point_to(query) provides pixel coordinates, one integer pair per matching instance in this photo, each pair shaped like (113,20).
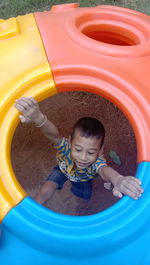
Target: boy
(79,158)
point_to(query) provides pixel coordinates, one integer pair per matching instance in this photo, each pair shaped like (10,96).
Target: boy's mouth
(81,164)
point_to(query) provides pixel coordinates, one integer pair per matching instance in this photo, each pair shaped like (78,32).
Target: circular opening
(110,35)
(33,155)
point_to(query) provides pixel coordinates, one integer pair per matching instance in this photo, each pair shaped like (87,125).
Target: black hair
(89,127)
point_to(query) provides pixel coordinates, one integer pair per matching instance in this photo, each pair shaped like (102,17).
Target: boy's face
(84,151)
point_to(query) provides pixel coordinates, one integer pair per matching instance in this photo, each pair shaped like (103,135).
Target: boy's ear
(101,151)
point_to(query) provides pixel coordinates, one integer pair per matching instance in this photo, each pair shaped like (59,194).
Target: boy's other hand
(130,186)
(29,108)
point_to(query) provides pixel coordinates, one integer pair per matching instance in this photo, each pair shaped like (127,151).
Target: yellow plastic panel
(24,72)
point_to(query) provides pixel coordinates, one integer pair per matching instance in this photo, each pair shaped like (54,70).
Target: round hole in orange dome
(111,35)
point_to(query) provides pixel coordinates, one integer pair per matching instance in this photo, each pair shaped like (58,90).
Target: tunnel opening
(33,156)
(111,35)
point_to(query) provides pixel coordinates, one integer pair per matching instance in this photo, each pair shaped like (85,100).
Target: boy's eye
(91,153)
(78,150)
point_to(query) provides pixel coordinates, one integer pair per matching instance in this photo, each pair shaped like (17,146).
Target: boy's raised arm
(30,112)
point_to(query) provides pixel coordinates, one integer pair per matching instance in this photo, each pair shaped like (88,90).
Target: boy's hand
(129,186)
(29,108)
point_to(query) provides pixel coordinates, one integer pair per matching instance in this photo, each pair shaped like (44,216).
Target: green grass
(12,8)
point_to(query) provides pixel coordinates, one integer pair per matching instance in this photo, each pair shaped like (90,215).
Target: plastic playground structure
(103,50)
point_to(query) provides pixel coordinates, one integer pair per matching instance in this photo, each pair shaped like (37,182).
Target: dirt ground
(33,155)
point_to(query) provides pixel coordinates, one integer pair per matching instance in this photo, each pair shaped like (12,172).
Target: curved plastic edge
(111,229)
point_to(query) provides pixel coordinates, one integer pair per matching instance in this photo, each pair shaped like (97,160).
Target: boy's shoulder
(100,158)
(62,142)
(100,162)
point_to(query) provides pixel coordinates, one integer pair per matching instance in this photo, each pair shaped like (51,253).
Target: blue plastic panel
(119,235)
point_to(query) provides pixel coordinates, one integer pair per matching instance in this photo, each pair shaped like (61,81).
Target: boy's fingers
(138,181)
(134,187)
(25,102)
(117,193)
(132,194)
(30,101)
(24,119)
(33,101)
(130,191)
(20,108)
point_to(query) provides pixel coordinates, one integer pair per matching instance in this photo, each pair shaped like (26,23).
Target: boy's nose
(83,156)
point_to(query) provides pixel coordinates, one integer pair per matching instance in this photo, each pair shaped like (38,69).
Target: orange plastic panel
(104,50)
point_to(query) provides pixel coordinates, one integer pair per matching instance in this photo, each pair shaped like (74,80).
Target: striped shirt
(66,163)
